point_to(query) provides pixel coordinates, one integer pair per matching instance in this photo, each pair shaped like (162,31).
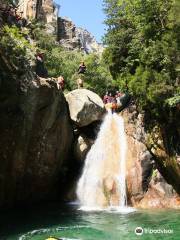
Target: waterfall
(103,180)
(123,149)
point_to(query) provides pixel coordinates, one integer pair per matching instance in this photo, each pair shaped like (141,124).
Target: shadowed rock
(36,138)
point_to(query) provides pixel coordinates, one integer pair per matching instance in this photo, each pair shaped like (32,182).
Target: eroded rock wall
(36,138)
(72,37)
(46,11)
(148,184)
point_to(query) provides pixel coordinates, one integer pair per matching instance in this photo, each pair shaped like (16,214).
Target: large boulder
(36,139)
(85,107)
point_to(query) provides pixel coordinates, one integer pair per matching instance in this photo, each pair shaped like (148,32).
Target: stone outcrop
(85,107)
(163,142)
(36,138)
(145,190)
(46,11)
(72,37)
(160,194)
(139,160)
(68,35)
(88,41)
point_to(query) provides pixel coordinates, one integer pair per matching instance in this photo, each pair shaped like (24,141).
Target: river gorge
(72,165)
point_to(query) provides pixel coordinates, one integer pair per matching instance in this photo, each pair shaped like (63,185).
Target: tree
(142,52)
(97,77)
(60,61)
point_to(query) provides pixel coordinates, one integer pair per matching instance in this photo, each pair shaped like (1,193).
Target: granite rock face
(146,186)
(160,194)
(36,139)
(139,160)
(46,11)
(72,37)
(85,107)
(68,34)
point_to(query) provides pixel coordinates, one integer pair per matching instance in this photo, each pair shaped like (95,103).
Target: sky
(87,14)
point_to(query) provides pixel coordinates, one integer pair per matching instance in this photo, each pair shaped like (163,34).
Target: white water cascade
(103,181)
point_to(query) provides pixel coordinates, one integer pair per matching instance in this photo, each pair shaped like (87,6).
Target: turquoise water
(68,222)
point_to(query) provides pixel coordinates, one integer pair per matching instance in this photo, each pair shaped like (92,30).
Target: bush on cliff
(15,49)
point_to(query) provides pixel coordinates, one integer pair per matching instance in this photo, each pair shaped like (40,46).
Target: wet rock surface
(145,190)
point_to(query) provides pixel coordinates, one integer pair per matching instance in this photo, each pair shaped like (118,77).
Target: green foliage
(44,40)
(12,2)
(173,101)
(154,173)
(97,77)
(16,48)
(20,51)
(142,52)
(60,61)
(65,63)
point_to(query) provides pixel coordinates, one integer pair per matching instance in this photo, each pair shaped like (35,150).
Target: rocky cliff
(46,11)
(148,184)
(36,136)
(72,37)
(69,36)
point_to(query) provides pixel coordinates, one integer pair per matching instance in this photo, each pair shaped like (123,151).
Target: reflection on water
(70,223)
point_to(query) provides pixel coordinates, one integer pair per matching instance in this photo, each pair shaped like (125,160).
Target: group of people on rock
(41,71)
(113,101)
(11,16)
(109,98)
(80,82)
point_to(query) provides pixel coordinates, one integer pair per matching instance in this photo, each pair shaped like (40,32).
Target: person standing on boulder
(40,69)
(81,70)
(80,83)
(60,83)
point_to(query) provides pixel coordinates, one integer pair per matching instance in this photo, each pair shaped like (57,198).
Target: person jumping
(82,68)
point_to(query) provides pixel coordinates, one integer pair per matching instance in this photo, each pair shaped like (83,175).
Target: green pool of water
(68,222)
